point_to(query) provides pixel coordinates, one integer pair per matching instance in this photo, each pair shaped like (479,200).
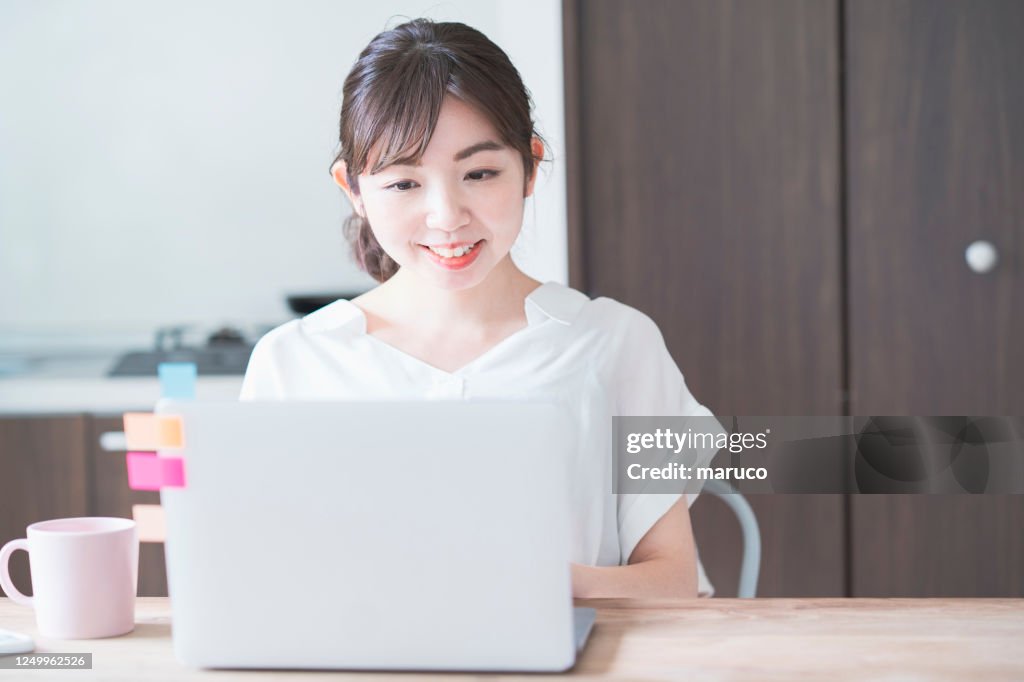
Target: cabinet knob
(981,256)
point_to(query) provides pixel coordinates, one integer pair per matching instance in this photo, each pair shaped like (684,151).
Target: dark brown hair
(392,99)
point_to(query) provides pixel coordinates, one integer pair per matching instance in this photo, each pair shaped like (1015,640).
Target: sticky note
(140,431)
(145,431)
(177,379)
(147,471)
(170,432)
(150,522)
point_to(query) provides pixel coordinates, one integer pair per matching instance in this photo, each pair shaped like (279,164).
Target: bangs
(400,120)
(394,94)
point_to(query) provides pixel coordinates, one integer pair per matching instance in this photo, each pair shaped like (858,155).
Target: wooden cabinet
(703,161)
(788,188)
(44,474)
(53,467)
(936,161)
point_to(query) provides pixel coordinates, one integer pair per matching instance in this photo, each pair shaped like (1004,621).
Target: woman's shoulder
(608,326)
(611,315)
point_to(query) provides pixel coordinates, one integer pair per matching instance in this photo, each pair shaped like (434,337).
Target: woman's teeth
(452,253)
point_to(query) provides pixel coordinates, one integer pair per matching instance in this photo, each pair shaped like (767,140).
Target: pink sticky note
(151,522)
(146,471)
(141,431)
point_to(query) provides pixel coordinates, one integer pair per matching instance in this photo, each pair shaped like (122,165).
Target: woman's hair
(392,99)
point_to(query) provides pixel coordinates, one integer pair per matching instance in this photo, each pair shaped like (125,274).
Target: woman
(438,155)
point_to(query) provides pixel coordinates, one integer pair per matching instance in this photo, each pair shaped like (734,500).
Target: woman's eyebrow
(487,146)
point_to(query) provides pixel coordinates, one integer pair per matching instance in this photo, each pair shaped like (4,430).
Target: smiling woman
(457,203)
(438,156)
(418,81)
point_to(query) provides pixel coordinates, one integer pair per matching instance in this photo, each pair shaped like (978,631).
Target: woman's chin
(461,276)
(455,281)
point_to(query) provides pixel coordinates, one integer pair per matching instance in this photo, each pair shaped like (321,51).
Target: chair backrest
(750,566)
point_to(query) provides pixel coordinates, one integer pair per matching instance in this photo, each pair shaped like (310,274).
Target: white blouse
(598,357)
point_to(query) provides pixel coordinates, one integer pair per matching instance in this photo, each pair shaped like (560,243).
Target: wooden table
(706,639)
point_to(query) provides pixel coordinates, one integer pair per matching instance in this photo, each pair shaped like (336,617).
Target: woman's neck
(496,300)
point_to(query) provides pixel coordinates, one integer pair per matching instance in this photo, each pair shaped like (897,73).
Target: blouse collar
(550,300)
(555,301)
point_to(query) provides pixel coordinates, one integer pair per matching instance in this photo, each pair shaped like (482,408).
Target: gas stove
(226,353)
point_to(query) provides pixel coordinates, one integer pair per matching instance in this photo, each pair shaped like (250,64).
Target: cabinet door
(111,496)
(936,161)
(43,475)
(703,163)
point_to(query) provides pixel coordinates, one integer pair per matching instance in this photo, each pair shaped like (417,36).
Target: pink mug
(84,576)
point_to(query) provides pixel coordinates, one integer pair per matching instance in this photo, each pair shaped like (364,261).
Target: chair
(750,565)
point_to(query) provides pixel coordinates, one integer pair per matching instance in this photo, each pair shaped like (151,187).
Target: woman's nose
(446,211)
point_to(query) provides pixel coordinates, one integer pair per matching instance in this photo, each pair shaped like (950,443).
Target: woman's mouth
(453,256)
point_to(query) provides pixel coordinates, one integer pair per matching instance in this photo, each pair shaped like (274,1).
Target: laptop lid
(376,535)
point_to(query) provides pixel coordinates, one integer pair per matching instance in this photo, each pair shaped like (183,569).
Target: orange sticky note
(171,432)
(149,432)
(141,431)
(151,522)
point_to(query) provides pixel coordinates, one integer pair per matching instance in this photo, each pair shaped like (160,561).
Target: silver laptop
(372,536)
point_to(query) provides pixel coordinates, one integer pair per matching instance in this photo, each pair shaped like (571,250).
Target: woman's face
(453,217)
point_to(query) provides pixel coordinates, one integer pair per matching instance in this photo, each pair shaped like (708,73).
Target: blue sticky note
(177,379)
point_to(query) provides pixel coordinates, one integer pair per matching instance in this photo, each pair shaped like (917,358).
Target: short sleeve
(651,384)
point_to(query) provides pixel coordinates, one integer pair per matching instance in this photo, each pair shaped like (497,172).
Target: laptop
(372,536)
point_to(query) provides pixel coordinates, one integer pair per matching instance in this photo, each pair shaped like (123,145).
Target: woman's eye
(402,185)
(481,174)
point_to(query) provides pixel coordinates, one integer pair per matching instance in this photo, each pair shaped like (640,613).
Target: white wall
(167,162)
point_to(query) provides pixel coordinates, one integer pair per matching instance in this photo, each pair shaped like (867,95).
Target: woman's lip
(455,262)
(452,245)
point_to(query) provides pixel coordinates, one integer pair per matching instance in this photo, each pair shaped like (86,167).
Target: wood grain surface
(700,639)
(936,161)
(703,167)
(43,475)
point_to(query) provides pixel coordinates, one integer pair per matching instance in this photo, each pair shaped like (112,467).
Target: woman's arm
(663,564)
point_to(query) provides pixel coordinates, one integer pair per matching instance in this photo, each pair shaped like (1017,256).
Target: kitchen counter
(76,382)
(99,395)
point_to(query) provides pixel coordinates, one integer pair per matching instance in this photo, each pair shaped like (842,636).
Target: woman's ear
(339,171)
(537,149)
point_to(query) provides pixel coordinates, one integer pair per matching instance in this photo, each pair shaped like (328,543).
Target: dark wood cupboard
(935,162)
(44,474)
(54,467)
(788,188)
(706,172)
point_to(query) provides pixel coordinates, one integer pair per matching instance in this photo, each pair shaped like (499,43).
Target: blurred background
(820,202)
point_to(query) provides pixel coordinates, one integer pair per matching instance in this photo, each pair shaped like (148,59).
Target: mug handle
(5,575)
